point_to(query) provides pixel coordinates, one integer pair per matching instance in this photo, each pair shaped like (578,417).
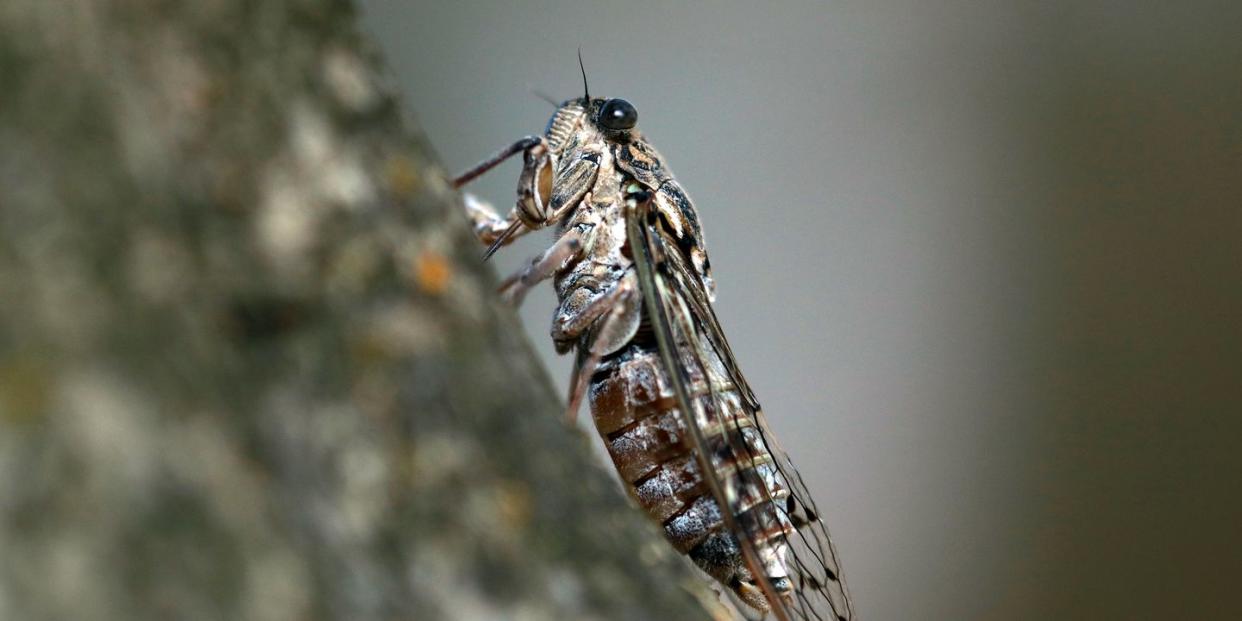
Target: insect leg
(566,249)
(615,329)
(488,226)
(491,162)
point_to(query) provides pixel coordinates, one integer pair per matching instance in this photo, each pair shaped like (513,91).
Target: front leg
(489,227)
(525,144)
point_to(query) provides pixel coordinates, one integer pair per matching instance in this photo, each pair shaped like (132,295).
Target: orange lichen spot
(402,176)
(432,272)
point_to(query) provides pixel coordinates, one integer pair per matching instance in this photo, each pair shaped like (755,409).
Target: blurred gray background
(979,260)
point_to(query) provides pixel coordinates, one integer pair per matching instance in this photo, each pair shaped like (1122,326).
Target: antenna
(586,90)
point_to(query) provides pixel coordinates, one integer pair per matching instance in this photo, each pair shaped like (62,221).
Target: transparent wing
(767,505)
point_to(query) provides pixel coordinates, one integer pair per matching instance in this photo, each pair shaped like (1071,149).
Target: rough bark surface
(250,364)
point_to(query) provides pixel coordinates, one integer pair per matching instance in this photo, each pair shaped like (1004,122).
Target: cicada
(679,419)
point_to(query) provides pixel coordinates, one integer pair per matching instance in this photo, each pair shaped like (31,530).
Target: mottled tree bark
(251,366)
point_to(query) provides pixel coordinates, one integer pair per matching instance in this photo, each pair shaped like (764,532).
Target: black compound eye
(618,114)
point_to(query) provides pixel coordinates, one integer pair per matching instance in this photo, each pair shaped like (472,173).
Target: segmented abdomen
(636,413)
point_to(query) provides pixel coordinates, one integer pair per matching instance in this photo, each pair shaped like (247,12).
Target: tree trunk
(251,366)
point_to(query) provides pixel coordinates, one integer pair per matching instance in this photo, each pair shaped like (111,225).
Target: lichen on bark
(250,364)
